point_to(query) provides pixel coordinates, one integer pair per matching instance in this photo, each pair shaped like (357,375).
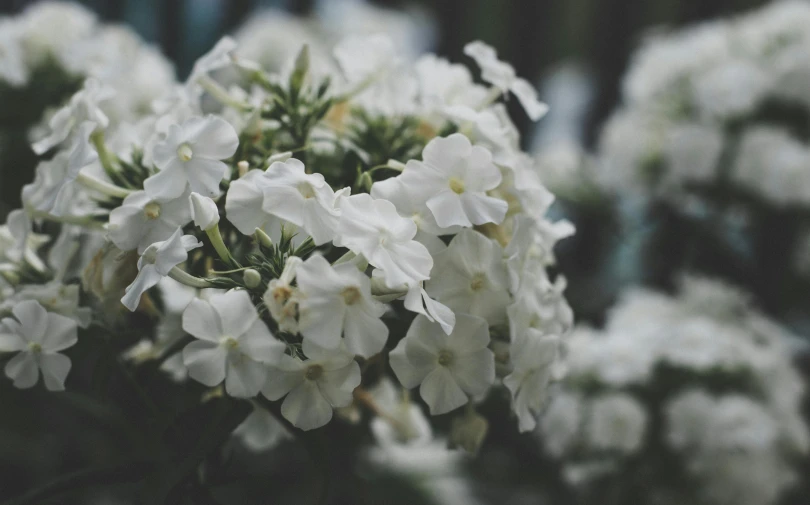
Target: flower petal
(305,407)
(205,362)
(441,392)
(245,377)
(23,370)
(201,321)
(55,369)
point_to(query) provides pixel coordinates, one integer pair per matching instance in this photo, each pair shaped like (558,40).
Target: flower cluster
(720,104)
(695,393)
(327,221)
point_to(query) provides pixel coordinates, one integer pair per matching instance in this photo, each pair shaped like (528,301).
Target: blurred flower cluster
(684,399)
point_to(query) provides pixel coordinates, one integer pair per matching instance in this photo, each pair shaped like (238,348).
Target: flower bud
(251,278)
(203,211)
(468,431)
(364,181)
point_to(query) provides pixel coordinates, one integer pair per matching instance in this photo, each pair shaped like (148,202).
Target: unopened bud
(364,181)
(12,277)
(251,278)
(468,431)
(263,238)
(204,211)
(243,168)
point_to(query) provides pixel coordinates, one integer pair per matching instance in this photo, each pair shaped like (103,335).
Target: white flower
(281,298)
(399,421)
(62,299)
(190,156)
(560,423)
(502,75)
(18,243)
(82,108)
(470,277)
(374,229)
(156,262)
(453,179)
(337,300)
(204,211)
(234,346)
(38,336)
(217,58)
(616,421)
(533,359)
(450,368)
(539,305)
(412,205)
(363,58)
(141,221)
(305,200)
(313,387)
(531,247)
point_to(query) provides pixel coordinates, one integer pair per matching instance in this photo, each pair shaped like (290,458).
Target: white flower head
(141,221)
(470,277)
(234,344)
(616,421)
(204,211)
(533,359)
(448,368)
(374,229)
(156,262)
(38,336)
(190,156)
(337,301)
(315,386)
(305,200)
(454,178)
(502,75)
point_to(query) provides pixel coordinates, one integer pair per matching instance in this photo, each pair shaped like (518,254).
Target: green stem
(221,94)
(106,188)
(189,280)
(105,157)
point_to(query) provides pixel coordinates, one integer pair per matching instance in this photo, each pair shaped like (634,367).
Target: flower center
(281,294)
(351,295)
(35,348)
(152,211)
(457,185)
(314,372)
(184,152)
(229,343)
(477,282)
(306,190)
(445,357)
